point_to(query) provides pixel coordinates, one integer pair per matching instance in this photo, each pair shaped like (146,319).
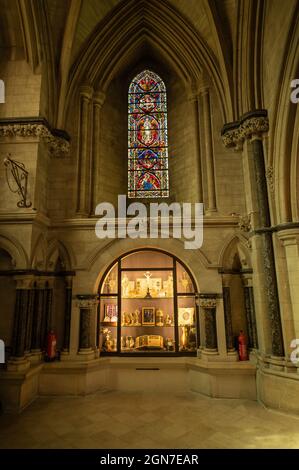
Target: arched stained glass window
(147,137)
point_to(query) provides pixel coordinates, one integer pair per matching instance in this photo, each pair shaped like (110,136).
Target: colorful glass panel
(147,137)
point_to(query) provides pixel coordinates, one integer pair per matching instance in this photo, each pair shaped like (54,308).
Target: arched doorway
(148,306)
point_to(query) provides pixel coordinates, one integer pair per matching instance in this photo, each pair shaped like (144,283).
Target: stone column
(209,154)
(288,235)
(23,294)
(30,311)
(228,314)
(98,101)
(250,312)
(194,99)
(251,128)
(37,323)
(267,244)
(67,315)
(209,307)
(84,150)
(47,312)
(86,305)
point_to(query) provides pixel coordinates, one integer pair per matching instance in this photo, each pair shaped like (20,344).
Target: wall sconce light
(20,176)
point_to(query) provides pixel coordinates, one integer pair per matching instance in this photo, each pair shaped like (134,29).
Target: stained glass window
(147,137)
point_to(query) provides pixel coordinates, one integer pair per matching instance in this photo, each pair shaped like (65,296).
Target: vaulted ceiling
(229,40)
(247,50)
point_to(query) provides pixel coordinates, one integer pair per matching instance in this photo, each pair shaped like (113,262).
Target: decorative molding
(57,140)
(252,123)
(244,223)
(35,272)
(270,178)
(208,303)
(86,301)
(235,271)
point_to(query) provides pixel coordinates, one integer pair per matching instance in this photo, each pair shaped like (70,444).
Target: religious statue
(112,284)
(170,286)
(185,281)
(159,317)
(125,285)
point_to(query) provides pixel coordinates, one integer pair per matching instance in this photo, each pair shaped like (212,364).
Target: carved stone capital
(208,303)
(246,280)
(231,138)
(99,98)
(251,124)
(226,280)
(86,91)
(24,282)
(255,125)
(244,223)
(58,146)
(86,302)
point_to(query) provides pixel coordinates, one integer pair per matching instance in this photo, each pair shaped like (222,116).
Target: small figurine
(127,318)
(185,281)
(130,343)
(137,317)
(168,320)
(159,317)
(108,343)
(169,343)
(132,318)
(125,284)
(112,284)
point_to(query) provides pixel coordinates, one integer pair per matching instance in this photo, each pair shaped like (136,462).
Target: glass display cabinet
(147,307)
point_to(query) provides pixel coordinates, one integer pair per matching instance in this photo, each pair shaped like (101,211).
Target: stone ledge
(37,128)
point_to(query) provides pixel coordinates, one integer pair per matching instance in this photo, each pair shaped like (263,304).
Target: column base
(210,212)
(277,363)
(36,356)
(232,355)
(86,354)
(15,364)
(209,355)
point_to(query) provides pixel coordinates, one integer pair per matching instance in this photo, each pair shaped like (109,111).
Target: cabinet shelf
(148,299)
(109,295)
(147,326)
(112,324)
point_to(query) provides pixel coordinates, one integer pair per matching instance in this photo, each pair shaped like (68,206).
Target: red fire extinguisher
(242,347)
(51,346)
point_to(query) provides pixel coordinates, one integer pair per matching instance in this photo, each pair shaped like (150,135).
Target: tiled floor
(140,420)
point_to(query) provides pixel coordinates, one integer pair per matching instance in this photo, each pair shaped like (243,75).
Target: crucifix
(148,275)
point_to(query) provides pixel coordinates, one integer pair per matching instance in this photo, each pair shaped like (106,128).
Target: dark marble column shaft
(20,323)
(228,319)
(37,319)
(67,317)
(267,247)
(250,317)
(30,310)
(46,315)
(210,328)
(84,333)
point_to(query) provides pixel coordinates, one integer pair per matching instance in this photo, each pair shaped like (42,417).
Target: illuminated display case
(147,307)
